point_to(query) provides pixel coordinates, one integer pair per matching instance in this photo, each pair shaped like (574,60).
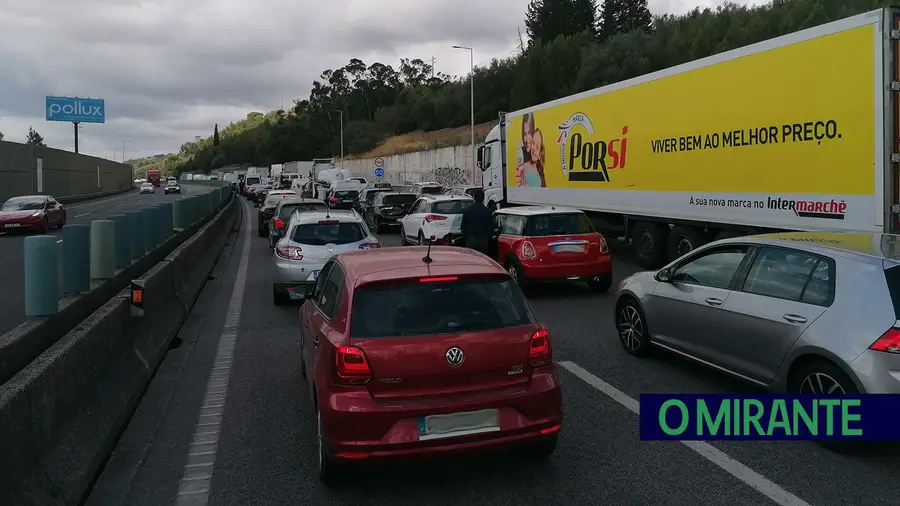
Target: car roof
(385,264)
(339,215)
(297,199)
(444,198)
(281,192)
(871,246)
(538,210)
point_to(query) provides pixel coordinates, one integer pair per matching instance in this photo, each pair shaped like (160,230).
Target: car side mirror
(300,293)
(664,276)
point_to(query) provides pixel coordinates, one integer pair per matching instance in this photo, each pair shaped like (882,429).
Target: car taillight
(539,348)
(289,252)
(434,217)
(279,223)
(604,248)
(333,199)
(370,245)
(528,250)
(351,365)
(889,342)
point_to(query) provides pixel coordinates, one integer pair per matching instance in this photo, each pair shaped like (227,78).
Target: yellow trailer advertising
(787,133)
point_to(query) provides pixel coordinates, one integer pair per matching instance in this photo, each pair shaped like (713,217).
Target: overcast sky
(170,69)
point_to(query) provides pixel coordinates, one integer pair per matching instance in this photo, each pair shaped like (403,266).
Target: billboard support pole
(75,123)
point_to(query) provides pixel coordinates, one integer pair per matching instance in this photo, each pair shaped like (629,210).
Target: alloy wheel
(819,383)
(631,327)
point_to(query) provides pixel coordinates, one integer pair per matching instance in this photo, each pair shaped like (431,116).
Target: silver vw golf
(804,313)
(311,238)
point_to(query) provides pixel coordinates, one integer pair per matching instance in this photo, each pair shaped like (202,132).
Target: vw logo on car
(455,357)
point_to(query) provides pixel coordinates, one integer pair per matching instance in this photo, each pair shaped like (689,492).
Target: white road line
(82,214)
(750,477)
(197,478)
(120,205)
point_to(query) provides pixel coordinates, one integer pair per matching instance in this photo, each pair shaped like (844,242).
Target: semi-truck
(799,133)
(153,177)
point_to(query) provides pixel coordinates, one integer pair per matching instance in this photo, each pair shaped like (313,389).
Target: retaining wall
(448,166)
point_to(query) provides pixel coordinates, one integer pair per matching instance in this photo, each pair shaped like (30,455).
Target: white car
(433,216)
(148,188)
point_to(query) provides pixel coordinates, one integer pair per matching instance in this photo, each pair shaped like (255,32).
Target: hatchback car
(287,207)
(387,209)
(432,216)
(147,188)
(540,244)
(343,199)
(267,210)
(421,351)
(809,313)
(366,198)
(429,188)
(311,239)
(31,213)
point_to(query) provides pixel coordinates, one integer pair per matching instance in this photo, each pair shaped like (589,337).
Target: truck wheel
(492,206)
(683,240)
(648,240)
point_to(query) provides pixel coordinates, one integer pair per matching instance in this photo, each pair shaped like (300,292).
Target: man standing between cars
(477,223)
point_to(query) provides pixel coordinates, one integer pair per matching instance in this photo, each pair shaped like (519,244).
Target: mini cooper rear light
(528,250)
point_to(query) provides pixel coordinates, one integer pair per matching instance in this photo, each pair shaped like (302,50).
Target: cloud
(169,70)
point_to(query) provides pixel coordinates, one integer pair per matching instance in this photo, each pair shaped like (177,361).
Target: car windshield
(328,232)
(172,183)
(398,199)
(558,224)
(346,194)
(413,308)
(22,204)
(431,190)
(450,206)
(288,209)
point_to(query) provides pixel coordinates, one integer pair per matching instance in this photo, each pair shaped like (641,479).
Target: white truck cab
(492,161)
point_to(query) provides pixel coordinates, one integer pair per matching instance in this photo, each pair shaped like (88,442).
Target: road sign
(379,172)
(379,162)
(80,110)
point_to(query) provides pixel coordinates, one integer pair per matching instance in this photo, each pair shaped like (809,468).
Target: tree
(34,138)
(623,16)
(548,19)
(216,135)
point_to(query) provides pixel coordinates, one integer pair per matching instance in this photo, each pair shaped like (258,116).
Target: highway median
(72,380)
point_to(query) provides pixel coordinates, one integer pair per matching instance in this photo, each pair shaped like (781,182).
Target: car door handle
(712,301)
(794,318)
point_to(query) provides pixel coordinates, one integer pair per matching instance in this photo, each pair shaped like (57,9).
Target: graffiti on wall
(446,176)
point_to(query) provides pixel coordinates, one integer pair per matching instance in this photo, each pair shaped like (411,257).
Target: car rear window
(432,190)
(450,206)
(398,199)
(892,276)
(414,307)
(320,234)
(346,193)
(558,224)
(288,209)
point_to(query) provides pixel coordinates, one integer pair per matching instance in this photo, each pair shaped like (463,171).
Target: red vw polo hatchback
(410,352)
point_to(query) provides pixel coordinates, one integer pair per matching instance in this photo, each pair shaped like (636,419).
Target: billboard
(786,135)
(74,109)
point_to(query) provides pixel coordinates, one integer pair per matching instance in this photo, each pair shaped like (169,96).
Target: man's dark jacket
(477,225)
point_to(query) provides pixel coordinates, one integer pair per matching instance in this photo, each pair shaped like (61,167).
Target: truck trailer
(793,133)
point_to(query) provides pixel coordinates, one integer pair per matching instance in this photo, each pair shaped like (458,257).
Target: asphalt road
(264,451)
(12,246)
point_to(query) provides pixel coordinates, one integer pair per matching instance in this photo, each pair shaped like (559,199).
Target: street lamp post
(472,104)
(341,118)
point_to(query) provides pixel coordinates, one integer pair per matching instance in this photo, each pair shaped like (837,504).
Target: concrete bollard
(41,276)
(167,222)
(60,267)
(76,258)
(149,241)
(158,227)
(123,240)
(179,214)
(103,249)
(136,236)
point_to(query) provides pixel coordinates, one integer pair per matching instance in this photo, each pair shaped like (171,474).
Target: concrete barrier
(25,342)
(62,414)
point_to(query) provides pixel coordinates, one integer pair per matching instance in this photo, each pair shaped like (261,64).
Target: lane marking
(82,214)
(750,477)
(120,205)
(197,478)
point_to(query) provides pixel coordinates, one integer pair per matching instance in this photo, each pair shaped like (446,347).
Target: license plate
(458,424)
(568,248)
(13,225)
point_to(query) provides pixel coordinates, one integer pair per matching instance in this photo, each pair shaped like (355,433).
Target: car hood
(12,215)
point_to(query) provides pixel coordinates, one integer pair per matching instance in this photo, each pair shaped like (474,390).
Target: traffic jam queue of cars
(424,349)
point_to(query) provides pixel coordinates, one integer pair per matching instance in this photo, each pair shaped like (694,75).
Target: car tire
(329,471)
(829,374)
(62,222)
(631,325)
(45,225)
(278,298)
(421,238)
(403,241)
(514,268)
(682,240)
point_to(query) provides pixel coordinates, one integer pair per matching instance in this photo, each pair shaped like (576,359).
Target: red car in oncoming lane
(410,352)
(31,213)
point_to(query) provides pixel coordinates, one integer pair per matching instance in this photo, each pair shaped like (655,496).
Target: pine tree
(34,138)
(623,16)
(548,19)
(216,135)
